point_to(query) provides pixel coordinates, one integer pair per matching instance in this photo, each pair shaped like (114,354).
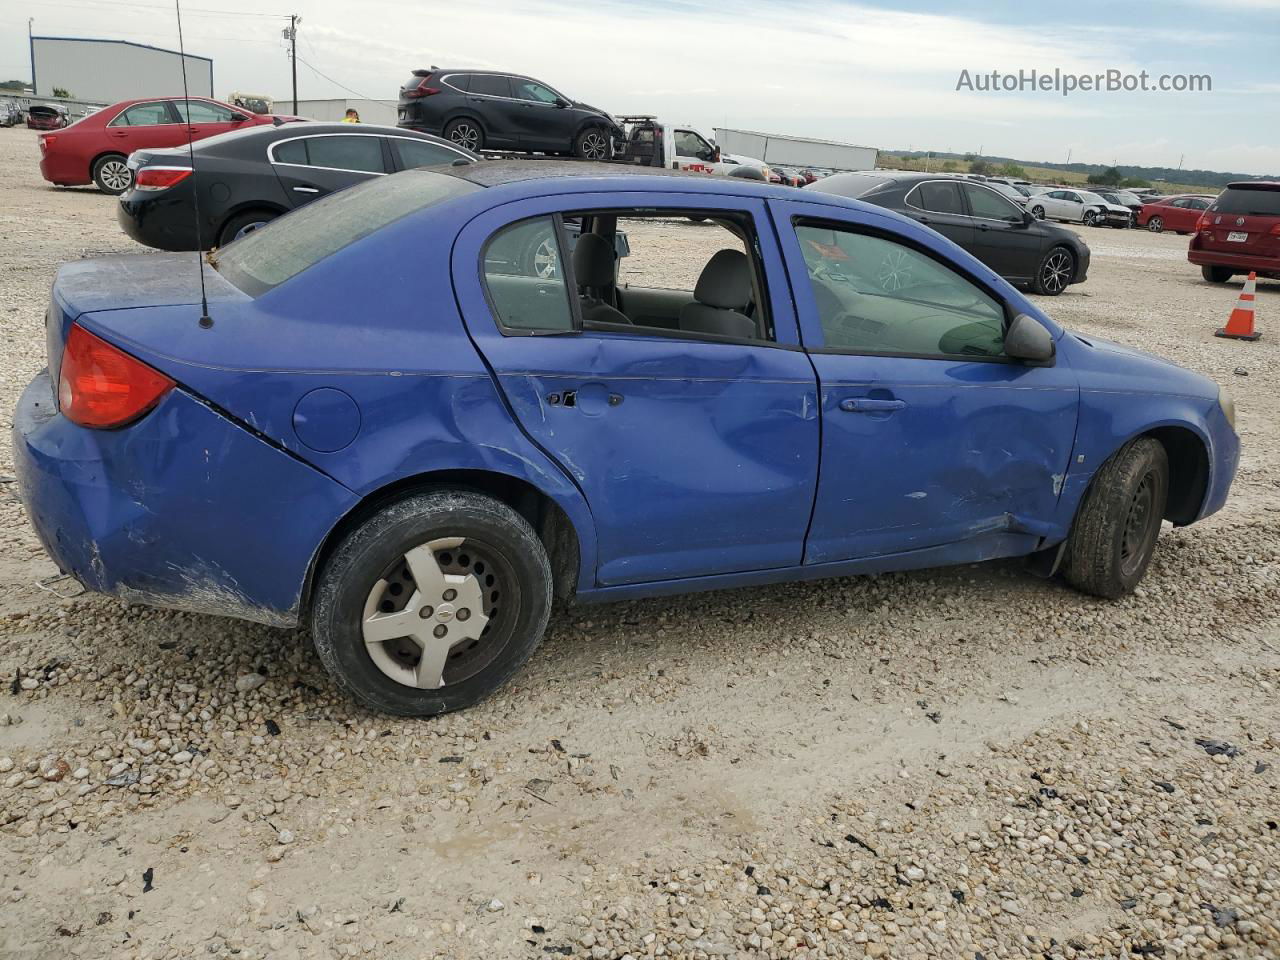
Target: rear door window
(942,196)
(423,153)
(490,85)
(358,152)
(522,276)
(144,115)
(202,112)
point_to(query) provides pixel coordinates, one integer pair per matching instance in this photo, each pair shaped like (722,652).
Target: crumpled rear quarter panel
(183,509)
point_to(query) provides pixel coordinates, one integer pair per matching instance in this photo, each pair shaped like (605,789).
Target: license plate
(1235,236)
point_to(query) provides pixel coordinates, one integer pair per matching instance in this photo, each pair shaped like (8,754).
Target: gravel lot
(959,763)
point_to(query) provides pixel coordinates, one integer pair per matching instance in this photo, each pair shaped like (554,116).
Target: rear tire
(477,632)
(1117,525)
(243,223)
(465,133)
(1216,274)
(111,174)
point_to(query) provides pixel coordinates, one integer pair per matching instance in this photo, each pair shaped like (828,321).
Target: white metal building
(371,111)
(112,70)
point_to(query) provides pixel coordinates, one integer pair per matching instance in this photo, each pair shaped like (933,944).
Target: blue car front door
(696,451)
(931,435)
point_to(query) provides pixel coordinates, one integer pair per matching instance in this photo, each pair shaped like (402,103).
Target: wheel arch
(1189,461)
(547,517)
(464,113)
(244,207)
(93,161)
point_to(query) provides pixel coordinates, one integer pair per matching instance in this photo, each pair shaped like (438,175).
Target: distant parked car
(10,113)
(247,178)
(94,150)
(1078,206)
(978,218)
(47,116)
(1239,232)
(494,110)
(1125,199)
(1177,214)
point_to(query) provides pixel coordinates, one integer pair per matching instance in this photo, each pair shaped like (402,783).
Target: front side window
(690,144)
(532,90)
(941,196)
(877,296)
(143,115)
(357,152)
(522,276)
(989,205)
(490,85)
(202,112)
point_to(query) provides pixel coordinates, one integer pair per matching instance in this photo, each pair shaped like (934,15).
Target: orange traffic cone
(1240,323)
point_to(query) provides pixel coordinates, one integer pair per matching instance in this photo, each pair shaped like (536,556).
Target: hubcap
(546,261)
(466,135)
(115,175)
(895,270)
(1137,525)
(1057,272)
(426,617)
(249,228)
(594,146)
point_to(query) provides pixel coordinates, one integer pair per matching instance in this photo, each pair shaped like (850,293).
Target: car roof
(311,128)
(495,173)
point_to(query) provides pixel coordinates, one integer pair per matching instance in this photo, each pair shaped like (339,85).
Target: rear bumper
(1240,262)
(162,223)
(63,172)
(183,509)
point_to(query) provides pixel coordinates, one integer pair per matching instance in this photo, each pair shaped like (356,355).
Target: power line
(333,81)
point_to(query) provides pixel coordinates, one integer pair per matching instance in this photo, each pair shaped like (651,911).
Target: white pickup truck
(654,143)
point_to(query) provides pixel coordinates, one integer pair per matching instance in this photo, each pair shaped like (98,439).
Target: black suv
(482,110)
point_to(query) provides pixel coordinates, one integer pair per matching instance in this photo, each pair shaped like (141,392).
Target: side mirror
(1027,340)
(1028,218)
(238,118)
(561,102)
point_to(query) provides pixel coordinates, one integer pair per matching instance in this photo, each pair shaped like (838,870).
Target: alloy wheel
(1056,273)
(115,175)
(546,260)
(465,135)
(895,270)
(1037,212)
(430,619)
(595,146)
(1155,224)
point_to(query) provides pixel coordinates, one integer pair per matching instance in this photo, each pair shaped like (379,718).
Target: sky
(880,74)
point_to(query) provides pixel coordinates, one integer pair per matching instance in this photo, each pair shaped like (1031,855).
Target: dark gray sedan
(1032,253)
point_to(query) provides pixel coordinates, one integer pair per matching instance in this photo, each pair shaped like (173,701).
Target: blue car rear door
(696,451)
(931,435)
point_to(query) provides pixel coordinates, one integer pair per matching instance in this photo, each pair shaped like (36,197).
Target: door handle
(868,405)
(923,220)
(983,226)
(306,189)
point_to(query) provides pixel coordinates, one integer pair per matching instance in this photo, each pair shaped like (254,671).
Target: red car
(1178,214)
(45,116)
(94,149)
(1239,232)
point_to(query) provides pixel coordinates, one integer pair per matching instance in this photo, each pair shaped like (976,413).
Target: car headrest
(725,281)
(593,261)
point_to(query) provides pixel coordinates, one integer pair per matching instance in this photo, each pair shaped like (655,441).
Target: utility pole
(31,45)
(291,34)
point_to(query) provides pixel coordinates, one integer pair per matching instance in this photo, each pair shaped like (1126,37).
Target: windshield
(284,248)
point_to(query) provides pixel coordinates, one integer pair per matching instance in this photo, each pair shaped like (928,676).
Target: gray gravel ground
(961,763)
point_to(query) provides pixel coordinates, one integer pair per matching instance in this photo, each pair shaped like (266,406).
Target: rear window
(1249,202)
(851,184)
(265,258)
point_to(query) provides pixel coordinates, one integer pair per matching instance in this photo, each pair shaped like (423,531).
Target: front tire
(1115,531)
(465,133)
(1156,224)
(433,603)
(1038,212)
(592,144)
(1216,274)
(1054,272)
(111,174)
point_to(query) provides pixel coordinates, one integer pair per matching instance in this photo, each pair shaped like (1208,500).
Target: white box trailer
(774,148)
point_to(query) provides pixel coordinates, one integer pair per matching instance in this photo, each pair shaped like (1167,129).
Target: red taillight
(1203,222)
(159,178)
(46,142)
(102,386)
(423,89)
(1275,230)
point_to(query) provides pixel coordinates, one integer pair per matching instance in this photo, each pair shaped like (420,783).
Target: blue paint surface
(686,464)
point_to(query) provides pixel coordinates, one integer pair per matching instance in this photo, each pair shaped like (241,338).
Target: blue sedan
(410,417)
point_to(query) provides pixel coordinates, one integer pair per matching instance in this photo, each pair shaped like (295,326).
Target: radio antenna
(206,321)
